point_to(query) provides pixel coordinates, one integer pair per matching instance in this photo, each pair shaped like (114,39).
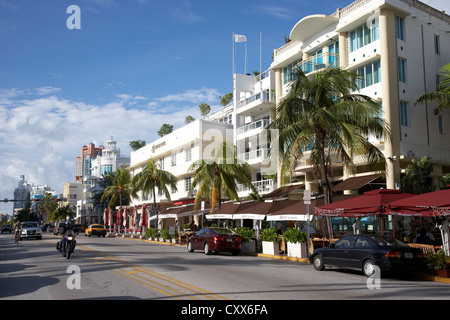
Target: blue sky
(133,65)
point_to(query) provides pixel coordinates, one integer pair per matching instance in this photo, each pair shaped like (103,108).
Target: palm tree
(219,176)
(442,93)
(321,115)
(152,178)
(120,188)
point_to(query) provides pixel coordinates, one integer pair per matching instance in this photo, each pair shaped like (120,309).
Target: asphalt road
(116,268)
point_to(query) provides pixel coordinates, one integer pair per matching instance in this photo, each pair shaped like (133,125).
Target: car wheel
(206,249)
(318,262)
(368,268)
(189,247)
(235,253)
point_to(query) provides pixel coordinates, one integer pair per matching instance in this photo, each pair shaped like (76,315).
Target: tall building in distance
(93,164)
(21,193)
(84,162)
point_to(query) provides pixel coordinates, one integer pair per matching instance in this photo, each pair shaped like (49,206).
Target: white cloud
(41,135)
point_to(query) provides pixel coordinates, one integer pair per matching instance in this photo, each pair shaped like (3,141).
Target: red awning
(431,204)
(371,203)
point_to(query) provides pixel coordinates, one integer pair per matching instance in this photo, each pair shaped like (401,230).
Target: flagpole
(245,68)
(233,53)
(260,51)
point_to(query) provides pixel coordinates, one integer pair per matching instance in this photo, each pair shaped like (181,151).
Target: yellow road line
(138,269)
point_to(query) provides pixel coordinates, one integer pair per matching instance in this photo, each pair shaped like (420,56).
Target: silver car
(31,229)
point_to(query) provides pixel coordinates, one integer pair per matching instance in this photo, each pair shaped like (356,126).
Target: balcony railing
(263,96)
(263,186)
(259,124)
(319,62)
(254,154)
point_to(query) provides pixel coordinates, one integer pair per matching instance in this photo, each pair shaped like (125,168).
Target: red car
(215,240)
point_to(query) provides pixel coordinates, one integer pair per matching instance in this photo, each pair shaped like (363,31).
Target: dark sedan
(215,240)
(359,252)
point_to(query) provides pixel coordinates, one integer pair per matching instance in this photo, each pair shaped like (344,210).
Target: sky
(132,66)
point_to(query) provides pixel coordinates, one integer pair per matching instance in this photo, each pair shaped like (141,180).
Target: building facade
(398,47)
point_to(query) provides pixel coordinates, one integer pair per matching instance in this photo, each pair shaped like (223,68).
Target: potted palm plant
(440,263)
(296,243)
(248,239)
(166,235)
(270,241)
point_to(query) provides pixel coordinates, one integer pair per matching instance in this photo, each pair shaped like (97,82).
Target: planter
(444,273)
(161,239)
(248,246)
(296,250)
(271,248)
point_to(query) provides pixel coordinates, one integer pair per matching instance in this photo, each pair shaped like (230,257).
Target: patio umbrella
(370,203)
(143,222)
(431,204)
(118,216)
(105,216)
(125,218)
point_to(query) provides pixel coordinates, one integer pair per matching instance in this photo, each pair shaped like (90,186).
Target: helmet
(68,222)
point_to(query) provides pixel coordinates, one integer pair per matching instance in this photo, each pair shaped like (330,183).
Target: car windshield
(30,225)
(389,242)
(96,226)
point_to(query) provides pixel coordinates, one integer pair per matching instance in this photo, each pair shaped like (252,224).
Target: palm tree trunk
(325,181)
(154,205)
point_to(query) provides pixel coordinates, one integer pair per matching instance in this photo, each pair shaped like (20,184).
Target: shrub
(246,234)
(270,234)
(294,235)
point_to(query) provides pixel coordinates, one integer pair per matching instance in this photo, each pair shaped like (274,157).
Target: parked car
(6,227)
(31,229)
(59,229)
(360,252)
(215,240)
(95,229)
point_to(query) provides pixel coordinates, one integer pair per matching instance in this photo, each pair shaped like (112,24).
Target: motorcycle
(69,244)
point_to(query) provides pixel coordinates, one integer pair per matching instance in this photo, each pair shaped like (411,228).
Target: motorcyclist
(67,227)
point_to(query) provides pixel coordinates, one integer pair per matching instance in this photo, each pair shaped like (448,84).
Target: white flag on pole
(240,38)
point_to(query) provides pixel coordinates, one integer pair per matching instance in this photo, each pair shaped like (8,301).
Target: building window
(404,114)
(187,184)
(332,59)
(188,154)
(436,45)
(362,36)
(289,72)
(400,27)
(441,124)
(161,163)
(369,75)
(174,159)
(402,70)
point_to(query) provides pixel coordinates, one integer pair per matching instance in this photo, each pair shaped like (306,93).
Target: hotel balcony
(263,186)
(252,128)
(254,156)
(319,62)
(261,98)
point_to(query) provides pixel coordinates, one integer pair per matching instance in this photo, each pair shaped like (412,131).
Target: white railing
(263,186)
(254,154)
(259,124)
(263,96)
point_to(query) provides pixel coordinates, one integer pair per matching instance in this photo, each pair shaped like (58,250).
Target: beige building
(398,46)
